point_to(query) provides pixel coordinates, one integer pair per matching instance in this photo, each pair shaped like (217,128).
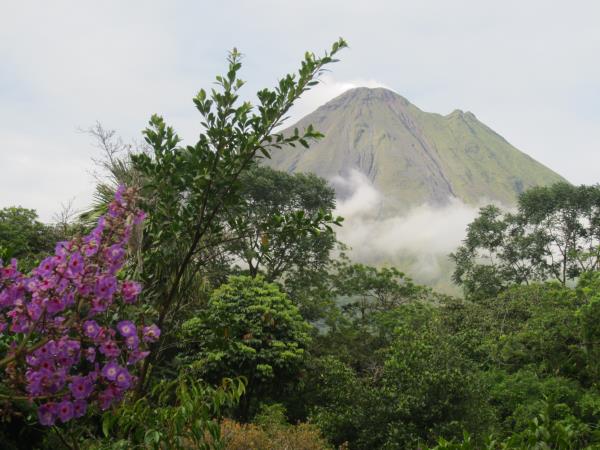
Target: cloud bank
(418,241)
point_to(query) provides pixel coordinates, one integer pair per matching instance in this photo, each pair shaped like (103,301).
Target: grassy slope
(413,156)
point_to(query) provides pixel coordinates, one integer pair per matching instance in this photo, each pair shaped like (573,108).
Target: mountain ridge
(411,156)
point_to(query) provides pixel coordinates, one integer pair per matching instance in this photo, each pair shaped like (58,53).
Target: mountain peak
(367,95)
(411,156)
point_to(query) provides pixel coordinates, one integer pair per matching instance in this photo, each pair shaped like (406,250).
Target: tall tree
(270,242)
(187,189)
(555,234)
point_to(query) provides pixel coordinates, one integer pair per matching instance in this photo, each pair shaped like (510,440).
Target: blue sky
(530,70)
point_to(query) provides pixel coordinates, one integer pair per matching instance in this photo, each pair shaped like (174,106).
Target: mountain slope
(411,156)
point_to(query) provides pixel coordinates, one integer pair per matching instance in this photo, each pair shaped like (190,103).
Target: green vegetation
(249,329)
(554,235)
(272,338)
(24,237)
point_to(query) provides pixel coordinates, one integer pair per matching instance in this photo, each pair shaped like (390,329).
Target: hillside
(411,156)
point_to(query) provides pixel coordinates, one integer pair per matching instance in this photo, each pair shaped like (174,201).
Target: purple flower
(47,283)
(91,329)
(123,379)
(139,217)
(71,346)
(81,387)
(91,246)
(97,232)
(10,271)
(47,414)
(31,284)
(132,342)
(46,364)
(90,354)
(111,370)
(55,304)
(84,289)
(46,350)
(114,209)
(79,408)
(20,323)
(59,258)
(34,310)
(136,356)
(58,380)
(75,266)
(6,298)
(119,195)
(62,285)
(106,287)
(126,328)
(109,349)
(151,333)
(61,248)
(130,290)
(46,266)
(65,410)
(114,253)
(107,397)
(37,380)
(99,305)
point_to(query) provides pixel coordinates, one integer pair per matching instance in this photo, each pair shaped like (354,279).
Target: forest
(203,301)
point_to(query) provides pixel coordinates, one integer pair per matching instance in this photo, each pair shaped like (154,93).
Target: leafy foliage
(555,234)
(177,414)
(274,204)
(190,188)
(24,237)
(251,329)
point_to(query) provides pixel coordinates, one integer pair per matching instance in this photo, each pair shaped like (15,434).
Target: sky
(528,69)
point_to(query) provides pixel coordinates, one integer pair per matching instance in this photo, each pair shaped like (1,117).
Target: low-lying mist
(417,241)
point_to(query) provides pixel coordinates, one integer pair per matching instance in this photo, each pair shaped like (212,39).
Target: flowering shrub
(66,352)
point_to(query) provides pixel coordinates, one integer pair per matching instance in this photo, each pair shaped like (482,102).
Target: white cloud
(328,88)
(424,235)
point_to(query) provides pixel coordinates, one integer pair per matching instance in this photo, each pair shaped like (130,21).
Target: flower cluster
(66,353)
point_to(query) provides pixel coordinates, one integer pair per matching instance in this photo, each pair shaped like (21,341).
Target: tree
(274,239)
(555,234)
(188,189)
(367,301)
(370,290)
(251,329)
(23,236)
(429,386)
(569,218)
(272,198)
